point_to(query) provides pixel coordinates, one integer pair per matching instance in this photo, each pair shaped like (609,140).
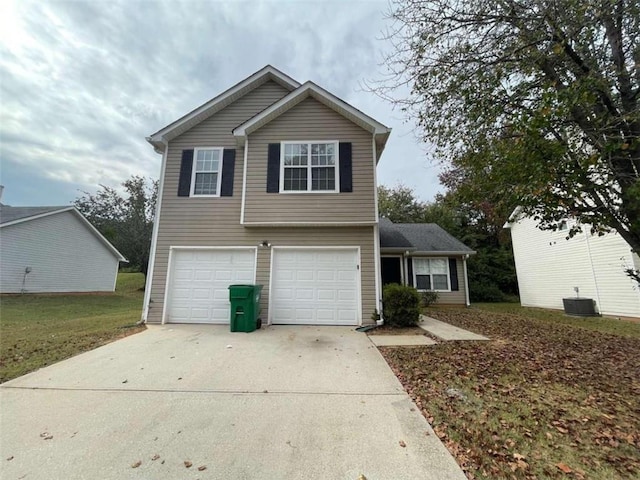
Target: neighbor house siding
(308,121)
(549,267)
(188,221)
(239,236)
(64,256)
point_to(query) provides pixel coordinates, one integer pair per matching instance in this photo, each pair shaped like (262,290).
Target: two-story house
(273,182)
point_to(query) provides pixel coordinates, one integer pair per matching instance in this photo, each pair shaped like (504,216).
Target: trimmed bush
(401,305)
(428,298)
(486,292)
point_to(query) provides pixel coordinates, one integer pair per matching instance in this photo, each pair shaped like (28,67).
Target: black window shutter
(410,272)
(273,168)
(184,184)
(346,167)
(228,168)
(453,273)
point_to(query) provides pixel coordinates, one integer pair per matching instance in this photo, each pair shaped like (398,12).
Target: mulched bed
(541,400)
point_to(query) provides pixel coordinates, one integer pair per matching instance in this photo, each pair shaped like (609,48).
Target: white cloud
(83,83)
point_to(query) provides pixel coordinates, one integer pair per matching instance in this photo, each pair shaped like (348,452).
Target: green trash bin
(245,307)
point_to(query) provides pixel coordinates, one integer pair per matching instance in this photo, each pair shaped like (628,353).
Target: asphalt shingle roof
(423,237)
(11,214)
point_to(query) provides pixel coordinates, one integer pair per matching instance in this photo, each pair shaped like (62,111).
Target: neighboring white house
(549,267)
(54,249)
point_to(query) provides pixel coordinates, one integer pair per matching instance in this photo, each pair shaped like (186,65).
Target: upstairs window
(206,177)
(309,167)
(431,274)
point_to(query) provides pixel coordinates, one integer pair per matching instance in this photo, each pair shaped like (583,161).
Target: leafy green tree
(491,270)
(529,102)
(125,220)
(399,204)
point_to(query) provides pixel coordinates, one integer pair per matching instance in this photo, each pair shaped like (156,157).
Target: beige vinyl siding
(308,121)
(455,298)
(186,221)
(452,298)
(210,234)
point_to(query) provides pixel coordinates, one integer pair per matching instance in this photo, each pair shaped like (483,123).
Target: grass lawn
(38,330)
(548,397)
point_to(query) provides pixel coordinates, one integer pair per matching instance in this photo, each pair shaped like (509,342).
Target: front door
(391,270)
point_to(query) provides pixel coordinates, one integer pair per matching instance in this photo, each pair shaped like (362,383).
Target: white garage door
(199,281)
(315,287)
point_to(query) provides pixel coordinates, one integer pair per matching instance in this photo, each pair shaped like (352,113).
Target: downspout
(377,269)
(376,232)
(593,270)
(154,238)
(466,279)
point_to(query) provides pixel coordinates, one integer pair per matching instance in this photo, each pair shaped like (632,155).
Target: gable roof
(9,214)
(391,238)
(216,104)
(14,215)
(422,237)
(310,89)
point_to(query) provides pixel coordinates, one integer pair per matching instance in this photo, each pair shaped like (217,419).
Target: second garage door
(199,280)
(315,286)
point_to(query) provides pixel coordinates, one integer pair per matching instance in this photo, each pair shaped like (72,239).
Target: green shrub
(428,297)
(401,305)
(486,292)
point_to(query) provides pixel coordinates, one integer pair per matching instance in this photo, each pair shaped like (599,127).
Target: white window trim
(415,281)
(193,172)
(309,166)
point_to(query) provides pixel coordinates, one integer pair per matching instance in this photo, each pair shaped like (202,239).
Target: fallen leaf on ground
(565,468)
(136,464)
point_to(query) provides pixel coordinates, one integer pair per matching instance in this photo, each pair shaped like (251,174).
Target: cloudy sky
(82,83)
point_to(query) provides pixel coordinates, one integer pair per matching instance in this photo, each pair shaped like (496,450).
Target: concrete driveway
(280,403)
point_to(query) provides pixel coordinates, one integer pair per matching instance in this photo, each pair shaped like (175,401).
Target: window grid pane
(440,282)
(206,184)
(323,178)
(322,154)
(295,178)
(421,266)
(423,282)
(438,266)
(298,159)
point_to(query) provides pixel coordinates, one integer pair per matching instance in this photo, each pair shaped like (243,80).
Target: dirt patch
(541,400)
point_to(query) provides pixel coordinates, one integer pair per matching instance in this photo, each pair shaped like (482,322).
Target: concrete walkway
(446,331)
(279,403)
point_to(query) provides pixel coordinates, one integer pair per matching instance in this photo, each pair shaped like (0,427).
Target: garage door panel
(326,275)
(304,275)
(315,286)
(201,294)
(199,281)
(326,295)
(303,294)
